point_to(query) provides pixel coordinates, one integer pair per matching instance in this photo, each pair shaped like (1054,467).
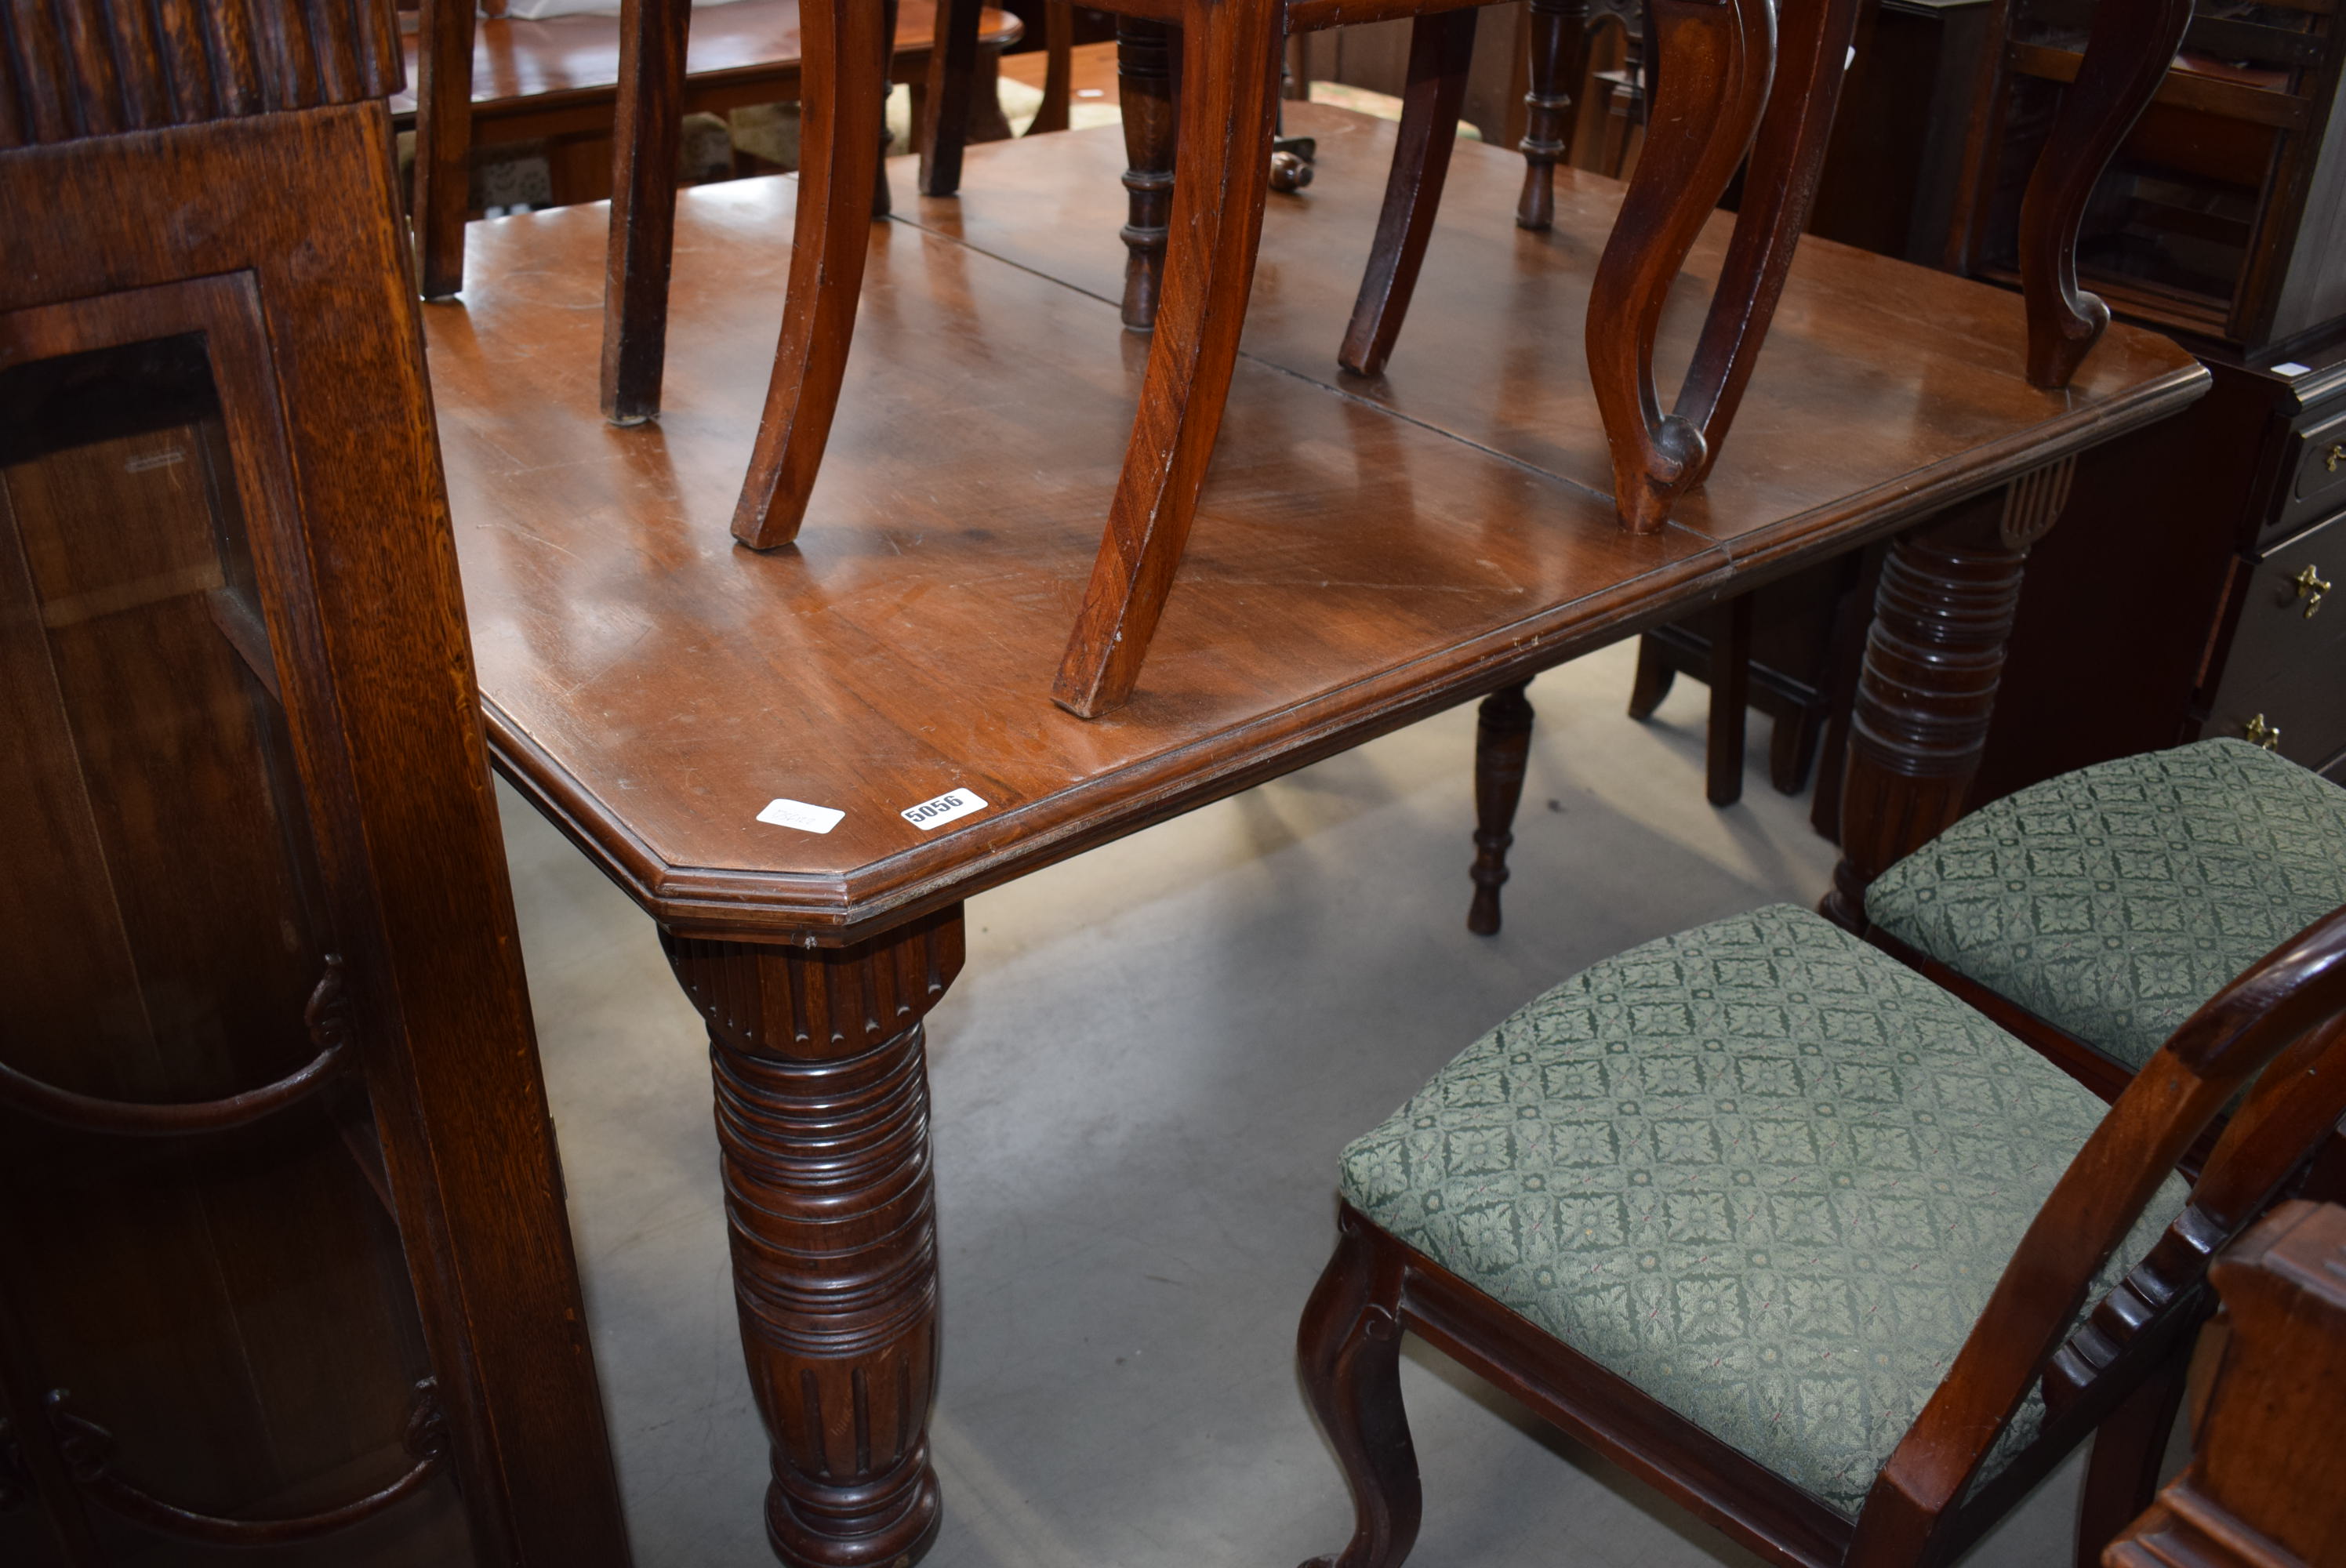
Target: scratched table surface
(1367,551)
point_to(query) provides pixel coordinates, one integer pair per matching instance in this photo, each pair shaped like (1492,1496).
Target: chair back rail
(2291,1006)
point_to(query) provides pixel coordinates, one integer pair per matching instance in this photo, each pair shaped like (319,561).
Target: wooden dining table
(801,763)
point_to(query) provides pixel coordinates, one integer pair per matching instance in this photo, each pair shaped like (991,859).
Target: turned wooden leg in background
(644,145)
(2127,55)
(1144,84)
(1441,48)
(442,194)
(1503,744)
(1942,618)
(822,1115)
(1348,1351)
(1559,48)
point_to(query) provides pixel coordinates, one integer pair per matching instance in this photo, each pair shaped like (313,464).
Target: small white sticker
(800,815)
(936,813)
(2290,368)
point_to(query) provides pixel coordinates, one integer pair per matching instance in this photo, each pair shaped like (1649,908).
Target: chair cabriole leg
(1348,1350)
(1711,72)
(2127,56)
(1788,158)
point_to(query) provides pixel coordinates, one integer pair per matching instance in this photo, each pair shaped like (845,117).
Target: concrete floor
(1141,1083)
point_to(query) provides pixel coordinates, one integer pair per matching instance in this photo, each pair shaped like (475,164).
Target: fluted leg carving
(1559,51)
(822,1114)
(1144,81)
(1503,745)
(1933,656)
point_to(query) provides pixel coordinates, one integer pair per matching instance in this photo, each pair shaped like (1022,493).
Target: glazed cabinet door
(209,1338)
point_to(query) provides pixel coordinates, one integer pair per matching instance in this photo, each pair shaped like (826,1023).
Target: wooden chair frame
(2282,1023)
(1728,82)
(651,98)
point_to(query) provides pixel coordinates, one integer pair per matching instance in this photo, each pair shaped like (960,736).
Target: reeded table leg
(1942,619)
(822,1112)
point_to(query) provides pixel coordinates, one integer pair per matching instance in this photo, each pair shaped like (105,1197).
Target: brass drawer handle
(2333,457)
(2258,732)
(2311,586)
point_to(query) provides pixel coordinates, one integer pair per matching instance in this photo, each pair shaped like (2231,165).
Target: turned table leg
(1144,83)
(1942,618)
(1559,54)
(1503,745)
(822,1114)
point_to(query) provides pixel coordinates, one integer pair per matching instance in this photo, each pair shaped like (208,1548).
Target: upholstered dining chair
(1808,1244)
(2090,914)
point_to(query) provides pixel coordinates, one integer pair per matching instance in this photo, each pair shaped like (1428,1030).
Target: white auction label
(935,813)
(800,815)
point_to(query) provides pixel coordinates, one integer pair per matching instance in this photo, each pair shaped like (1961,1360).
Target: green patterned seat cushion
(2114,900)
(1759,1169)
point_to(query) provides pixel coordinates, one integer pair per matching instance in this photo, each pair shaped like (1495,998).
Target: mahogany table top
(1365,552)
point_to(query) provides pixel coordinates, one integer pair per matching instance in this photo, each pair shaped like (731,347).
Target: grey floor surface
(1141,1083)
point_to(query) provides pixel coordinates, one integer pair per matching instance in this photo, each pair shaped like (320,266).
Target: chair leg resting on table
(653,36)
(1441,48)
(840,130)
(1710,82)
(1229,94)
(442,193)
